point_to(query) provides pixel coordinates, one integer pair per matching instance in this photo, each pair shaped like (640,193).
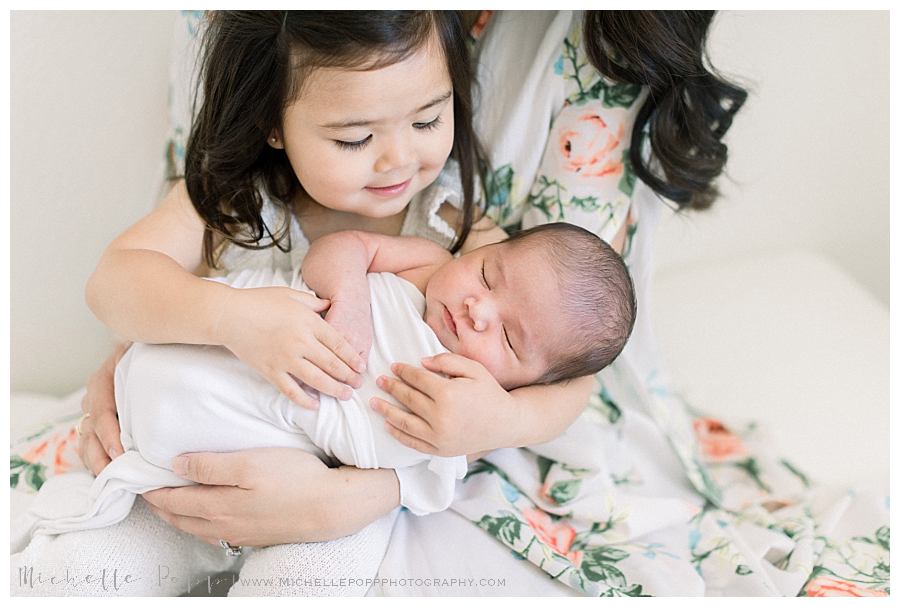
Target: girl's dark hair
(253,65)
(689,107)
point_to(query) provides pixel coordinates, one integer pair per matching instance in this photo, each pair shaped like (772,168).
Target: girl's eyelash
(352,145)
(357,145)
(427,126)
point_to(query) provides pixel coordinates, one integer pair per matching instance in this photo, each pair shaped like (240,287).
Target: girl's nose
(396,154)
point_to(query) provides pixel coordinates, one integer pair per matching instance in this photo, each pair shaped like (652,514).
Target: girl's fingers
(315,378)
(400,419)
(410,441)
(311,301)
(331,365)
(334,341)
(289,386)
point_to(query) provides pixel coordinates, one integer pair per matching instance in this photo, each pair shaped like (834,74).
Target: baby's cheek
(490,362)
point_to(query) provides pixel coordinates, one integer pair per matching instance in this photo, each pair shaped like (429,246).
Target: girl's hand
(99,440)
(464,413)
(278,331)
(353,320)
(262,497)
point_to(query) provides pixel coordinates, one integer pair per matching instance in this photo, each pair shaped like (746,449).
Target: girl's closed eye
(428,126)
(352,145)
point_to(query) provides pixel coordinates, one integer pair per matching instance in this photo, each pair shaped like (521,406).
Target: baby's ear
(275,140)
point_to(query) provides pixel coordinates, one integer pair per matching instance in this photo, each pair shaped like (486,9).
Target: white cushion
(789,340)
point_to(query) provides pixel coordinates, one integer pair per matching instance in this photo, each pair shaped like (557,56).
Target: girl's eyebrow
(346,124)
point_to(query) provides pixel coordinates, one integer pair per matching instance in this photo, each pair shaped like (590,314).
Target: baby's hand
(353,320)
(278,331)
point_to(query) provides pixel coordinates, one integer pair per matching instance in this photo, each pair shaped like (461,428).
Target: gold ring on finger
(78,429)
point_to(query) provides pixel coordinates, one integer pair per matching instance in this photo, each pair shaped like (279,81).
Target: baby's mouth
(448,320)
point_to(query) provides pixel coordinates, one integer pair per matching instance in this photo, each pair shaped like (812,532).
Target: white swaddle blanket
(175,399)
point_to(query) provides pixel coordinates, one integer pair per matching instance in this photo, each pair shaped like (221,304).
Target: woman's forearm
(146,296)
(544,412)
(359,497)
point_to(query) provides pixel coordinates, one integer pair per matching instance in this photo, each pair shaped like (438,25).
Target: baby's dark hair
(253,65)
(598,302)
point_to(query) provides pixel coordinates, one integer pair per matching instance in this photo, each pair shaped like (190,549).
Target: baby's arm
(336,266)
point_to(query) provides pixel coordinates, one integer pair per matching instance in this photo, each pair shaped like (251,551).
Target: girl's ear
(275,140)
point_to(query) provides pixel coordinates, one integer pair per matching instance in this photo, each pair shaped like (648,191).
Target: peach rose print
(827,586)
(717,443)
(558,536)
(587,143)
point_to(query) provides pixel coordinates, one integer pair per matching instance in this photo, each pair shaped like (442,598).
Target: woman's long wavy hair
(253,65)
(688,108)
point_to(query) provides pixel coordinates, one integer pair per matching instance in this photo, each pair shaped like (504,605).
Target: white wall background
(809,160)
(809,152)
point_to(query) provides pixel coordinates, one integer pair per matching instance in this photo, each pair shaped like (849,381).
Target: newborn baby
(548,304)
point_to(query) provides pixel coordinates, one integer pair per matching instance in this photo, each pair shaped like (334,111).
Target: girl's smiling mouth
(390,190)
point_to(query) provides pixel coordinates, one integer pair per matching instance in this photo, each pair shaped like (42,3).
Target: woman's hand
(278,331)
(464,413)
(99,439)
(263,497)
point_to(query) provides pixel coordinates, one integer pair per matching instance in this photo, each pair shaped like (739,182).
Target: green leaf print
(546,195)
(544,464)
(743,570)
(32,473)
(602,571)
(34,476)
(564,491)
(498,186)
(634,590)
(796,472)
(630,231)
(626,183)
(611,94)
(507,529)
(621,95)
(883,536)
(751,467)
(588,203)
(604,403)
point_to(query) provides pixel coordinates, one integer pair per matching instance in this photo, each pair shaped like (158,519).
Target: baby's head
(551,303)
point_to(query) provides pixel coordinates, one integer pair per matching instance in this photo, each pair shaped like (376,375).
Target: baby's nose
(475,313)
